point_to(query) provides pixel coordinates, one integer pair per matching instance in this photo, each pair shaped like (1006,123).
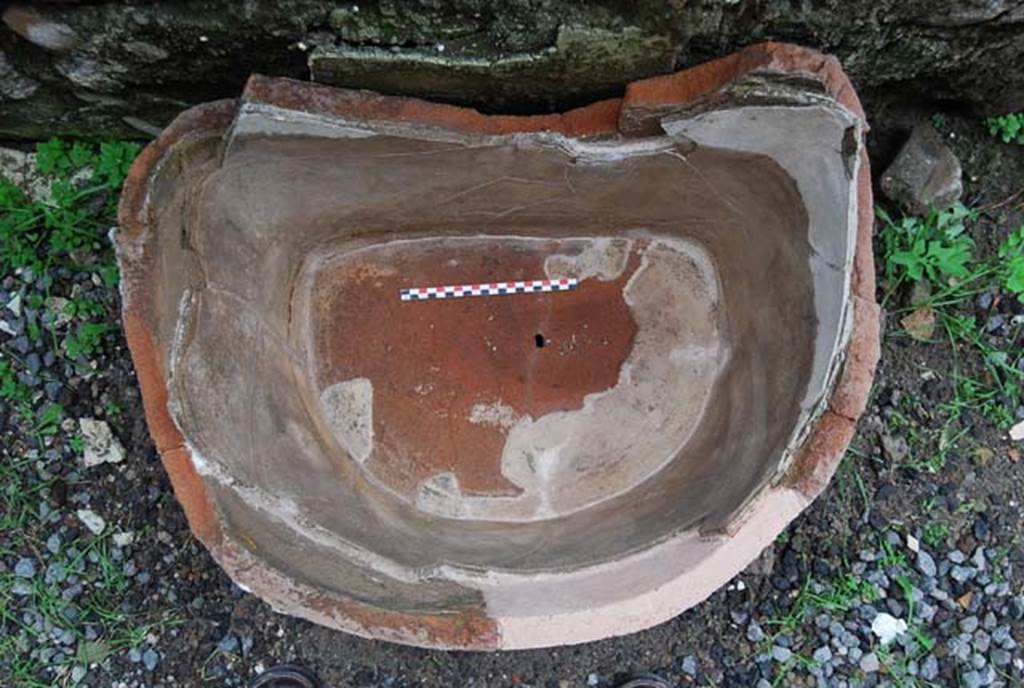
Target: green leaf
(50,157)
(950,260)
(92,651)
(49,419)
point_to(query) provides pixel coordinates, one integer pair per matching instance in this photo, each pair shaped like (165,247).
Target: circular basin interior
(672,357)
(687,303)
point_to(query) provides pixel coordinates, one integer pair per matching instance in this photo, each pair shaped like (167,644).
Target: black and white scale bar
(458,291)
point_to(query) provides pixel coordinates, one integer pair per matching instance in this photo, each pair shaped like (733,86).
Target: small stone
(124,539)
(1001,657)
(100,444)
(14,305)
(886,627)
(926,564)
(1016,608)
(972,679)
(962,574)
(849,640)
(869,663)
(78,672)
(53,544)
(781,654)
(969,624)
(981,530)
(979,559)
(150,659)
(896,450)
(822,655)
(925,175)
(690,666)
(593,680)
(25,568)
(92,521)
(1001,635)
(1017,432)
(930,668)
(228,644)
(754,632)
(960,648)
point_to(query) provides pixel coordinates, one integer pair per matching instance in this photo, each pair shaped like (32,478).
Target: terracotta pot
(696,340)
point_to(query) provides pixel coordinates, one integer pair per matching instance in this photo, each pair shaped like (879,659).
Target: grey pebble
(781,654)
(55,573)
(962,574)
(972,679)
(969,624)
(869,663)
(822,655)
(53,544)
(925,564)
(25,568)
(1001,657)
(150,659)
(754,632)
(228,644)
(960,648)
(930,668)
(690,665)
(21,588)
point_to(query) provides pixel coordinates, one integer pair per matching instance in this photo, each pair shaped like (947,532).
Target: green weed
(936,247)
(1011,268)
(1010,128)
(935,533)
(84,180)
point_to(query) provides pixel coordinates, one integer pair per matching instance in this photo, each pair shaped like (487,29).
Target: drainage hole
(538,339)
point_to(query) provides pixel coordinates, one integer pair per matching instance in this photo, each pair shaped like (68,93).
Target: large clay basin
(508,470)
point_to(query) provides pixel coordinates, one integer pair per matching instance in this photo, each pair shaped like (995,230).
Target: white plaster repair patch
(495,414)
(602,258)
(348,408)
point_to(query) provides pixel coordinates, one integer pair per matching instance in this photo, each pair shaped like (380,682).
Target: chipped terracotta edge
(814,465)
(650,99)
(597,119)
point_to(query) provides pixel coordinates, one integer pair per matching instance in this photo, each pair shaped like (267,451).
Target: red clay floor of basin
(436,397)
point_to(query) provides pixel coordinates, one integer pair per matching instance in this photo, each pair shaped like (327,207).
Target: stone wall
(115,68)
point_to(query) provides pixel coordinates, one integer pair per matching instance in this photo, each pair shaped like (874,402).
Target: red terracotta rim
(644,102)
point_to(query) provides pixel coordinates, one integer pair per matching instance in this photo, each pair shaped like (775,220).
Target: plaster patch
(496,414)
(602,258)
(348,408)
